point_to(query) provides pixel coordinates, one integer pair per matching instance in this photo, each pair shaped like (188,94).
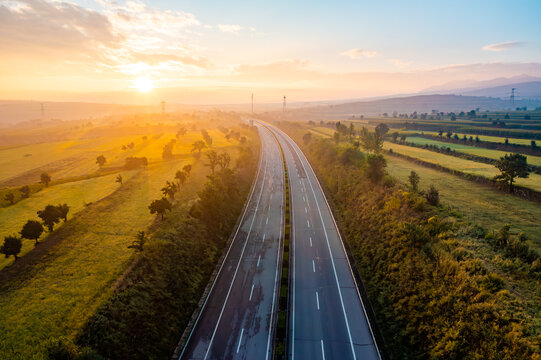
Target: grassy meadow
(66,277)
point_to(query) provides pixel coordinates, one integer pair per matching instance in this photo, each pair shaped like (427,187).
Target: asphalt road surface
(327,316)
(239,316)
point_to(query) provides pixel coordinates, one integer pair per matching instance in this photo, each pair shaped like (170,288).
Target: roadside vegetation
(441,285)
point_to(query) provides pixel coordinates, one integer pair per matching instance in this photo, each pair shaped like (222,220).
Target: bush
(433,196)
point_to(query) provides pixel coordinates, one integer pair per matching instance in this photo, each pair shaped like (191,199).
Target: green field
(466,166)
(75,194)
(491,154)
(481,204)
(495,139)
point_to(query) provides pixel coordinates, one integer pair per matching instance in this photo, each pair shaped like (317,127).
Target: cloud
(400,63)
(358,53)
(502,46)
(234,29)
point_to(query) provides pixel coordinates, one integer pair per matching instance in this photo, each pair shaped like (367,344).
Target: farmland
(56,285)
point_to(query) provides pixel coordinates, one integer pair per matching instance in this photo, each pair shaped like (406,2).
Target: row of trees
(25,190)
(161,206)
(33,229)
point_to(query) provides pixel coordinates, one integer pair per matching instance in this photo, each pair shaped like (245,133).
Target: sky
(211,51)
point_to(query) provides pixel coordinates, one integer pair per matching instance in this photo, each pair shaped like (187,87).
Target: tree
(100,160)
(12,246)
(213,159)
(45,179)
(511,167)
(139,242)
(181,176)
(375,167)
(160,206)
(433,196)
(307,138)
(449,134)
(198,146)
(395,136)
(119,179)
(224,159)
(25,191)
(32,230)
(10,197)
(206,137)
(371,141)
(336,137)
(63,210)
(187,169)
(414,180)
(181,132)
(382,128)
(167,152)
(50,216)
(170,189)
(533,144)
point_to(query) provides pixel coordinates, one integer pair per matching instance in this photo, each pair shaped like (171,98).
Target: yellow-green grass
(466,166)
(495,139)
(75,194)
(491,154)
(60,159)
(76,277)
(483,205)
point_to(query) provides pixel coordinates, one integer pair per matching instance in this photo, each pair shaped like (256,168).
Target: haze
(220,52)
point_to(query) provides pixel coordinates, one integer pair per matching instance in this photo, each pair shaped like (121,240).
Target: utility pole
(512,98)
(284,107)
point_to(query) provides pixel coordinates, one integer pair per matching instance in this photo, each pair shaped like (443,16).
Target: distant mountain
(459,87)
(409,104)
(525,90)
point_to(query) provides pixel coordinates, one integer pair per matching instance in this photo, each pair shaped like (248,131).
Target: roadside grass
(75,194)
(467,166)
(483,205)
(66,286)
(489,153)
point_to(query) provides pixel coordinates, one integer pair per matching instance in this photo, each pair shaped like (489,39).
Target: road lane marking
(264,237)
(313,265)
(310,241)
(329,247)
(303,198)
(258,259)
(317,300)
(240,339)
(305,210)
(251,293)
(266,222)
(322,350)
(308,222)
(238,264)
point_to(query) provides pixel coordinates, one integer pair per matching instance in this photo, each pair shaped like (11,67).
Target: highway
(327,319)
(238,318)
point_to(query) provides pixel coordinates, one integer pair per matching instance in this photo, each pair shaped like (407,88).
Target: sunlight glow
(144,84)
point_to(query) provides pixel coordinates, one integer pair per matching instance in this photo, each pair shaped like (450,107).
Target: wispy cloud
(400,63)
(358,53)
(230,28)
(502,46)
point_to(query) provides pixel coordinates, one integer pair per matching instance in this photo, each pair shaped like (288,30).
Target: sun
(144,84)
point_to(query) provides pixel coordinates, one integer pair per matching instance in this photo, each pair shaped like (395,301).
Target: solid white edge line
(322,350)
(254,185)
(258,260)
(238,264)
(317,300)
(251,293)
(313,265)
(240,340)
(342,243)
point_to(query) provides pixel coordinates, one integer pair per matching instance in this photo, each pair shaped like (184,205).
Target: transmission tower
(284,107)
(512,97)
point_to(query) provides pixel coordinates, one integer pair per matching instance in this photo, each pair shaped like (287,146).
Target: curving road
(238,318)
(327,316)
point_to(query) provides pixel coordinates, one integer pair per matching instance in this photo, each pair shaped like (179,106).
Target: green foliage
(159,207)
(371,141)
(50,216)
(375,167)
(101,160)
(139,242)
(12,246)
(414,180)
(45,179)
(32,230)
(433,196)
(198,146)
(512,166)
(25,191)
(63,210)
(10,197)
(432,300)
